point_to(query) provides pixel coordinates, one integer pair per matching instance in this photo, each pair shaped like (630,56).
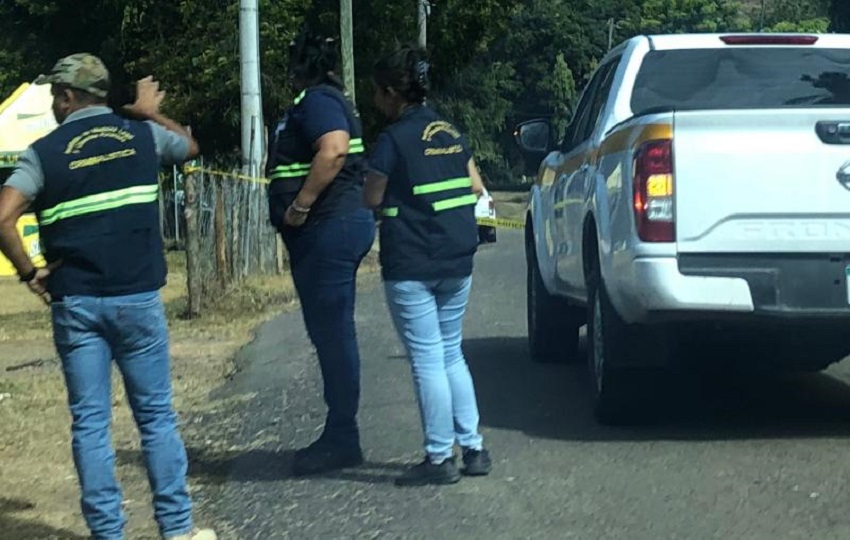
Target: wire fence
(221,219)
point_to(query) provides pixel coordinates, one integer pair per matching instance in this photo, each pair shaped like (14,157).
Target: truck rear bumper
(741,286)
(656,285)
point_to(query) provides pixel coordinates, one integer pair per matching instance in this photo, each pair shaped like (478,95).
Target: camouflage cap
(82,71)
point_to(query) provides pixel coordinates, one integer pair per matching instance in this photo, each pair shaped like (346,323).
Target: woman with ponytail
(424,181)
(316,166)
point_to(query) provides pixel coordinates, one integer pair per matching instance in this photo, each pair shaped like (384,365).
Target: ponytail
(407,72)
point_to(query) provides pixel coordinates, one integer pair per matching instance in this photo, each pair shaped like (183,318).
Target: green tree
(191,47)
(686,16)
(494,62)
(527,72)
(839,15)
(792,16)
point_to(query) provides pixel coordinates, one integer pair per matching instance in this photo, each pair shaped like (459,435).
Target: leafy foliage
(839,14)
(495,62)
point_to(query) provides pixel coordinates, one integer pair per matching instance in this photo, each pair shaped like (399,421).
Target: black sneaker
(476,462)
(428,473)
(322,457)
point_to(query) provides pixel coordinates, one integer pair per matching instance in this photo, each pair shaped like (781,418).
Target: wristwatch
(29,276)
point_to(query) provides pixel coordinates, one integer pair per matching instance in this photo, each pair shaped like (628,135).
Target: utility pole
(422,8)
(610,33)
(252,103)
(346,31)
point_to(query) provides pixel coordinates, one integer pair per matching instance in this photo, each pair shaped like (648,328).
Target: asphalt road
(728,458)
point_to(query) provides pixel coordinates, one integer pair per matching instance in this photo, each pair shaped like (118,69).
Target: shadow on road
(260,465)
(21,529)
(553,401)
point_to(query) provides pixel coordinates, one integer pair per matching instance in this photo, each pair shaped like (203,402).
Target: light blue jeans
(89,332)
(429,319)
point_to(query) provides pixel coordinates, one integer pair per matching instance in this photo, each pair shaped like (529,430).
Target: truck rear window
(742,78)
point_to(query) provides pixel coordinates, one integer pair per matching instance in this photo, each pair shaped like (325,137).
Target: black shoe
(322,457)
(428,473)
(476,462)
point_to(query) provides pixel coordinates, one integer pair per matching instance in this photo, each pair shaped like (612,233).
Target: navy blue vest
(98,211)
(291,154)
(428,230)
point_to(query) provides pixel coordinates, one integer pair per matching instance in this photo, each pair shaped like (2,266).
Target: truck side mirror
(535,140)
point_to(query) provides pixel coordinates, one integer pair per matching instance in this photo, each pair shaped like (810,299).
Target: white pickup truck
(696,212)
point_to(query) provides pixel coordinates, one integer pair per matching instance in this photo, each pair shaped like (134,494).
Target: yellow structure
(25,117)
(28,229)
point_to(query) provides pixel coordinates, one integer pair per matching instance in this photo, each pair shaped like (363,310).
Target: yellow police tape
(499,223)
(190,169)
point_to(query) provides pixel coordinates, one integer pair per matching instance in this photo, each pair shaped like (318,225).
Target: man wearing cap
(93,183)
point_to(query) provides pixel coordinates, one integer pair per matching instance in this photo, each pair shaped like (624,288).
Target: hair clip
(422,72)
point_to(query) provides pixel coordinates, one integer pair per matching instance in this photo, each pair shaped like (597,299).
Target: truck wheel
(553,324)
(616,380)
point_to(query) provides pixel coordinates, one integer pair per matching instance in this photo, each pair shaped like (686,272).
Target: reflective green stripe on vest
(297,170)
(444,185)
(356,146)
(448,204)
(390,212)
(293,170)
(99,203)
(448,185)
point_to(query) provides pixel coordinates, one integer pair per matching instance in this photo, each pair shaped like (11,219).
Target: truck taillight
(653,191)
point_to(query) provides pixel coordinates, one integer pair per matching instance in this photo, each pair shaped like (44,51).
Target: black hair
(312,57)
(406,72)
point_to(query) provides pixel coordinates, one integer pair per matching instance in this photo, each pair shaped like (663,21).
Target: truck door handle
(833,132)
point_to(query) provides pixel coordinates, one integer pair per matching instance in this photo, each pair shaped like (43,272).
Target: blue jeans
(324,258)
(429,319)
(89,332)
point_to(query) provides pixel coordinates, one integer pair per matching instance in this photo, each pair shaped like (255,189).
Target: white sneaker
(197,534)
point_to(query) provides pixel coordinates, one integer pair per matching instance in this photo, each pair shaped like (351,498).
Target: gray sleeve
(172,148)
(28,177)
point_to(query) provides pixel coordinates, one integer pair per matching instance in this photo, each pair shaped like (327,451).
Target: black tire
(621,377)
(553,323)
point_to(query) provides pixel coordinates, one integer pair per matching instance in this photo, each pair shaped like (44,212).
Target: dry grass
(40,491)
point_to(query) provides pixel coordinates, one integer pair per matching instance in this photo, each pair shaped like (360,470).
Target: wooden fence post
(193,247)
(220,245)
(236,224)
(161,200)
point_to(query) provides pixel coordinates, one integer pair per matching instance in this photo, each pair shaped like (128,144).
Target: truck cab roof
(716,40)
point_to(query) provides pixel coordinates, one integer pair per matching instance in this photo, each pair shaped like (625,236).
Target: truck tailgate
(760,181)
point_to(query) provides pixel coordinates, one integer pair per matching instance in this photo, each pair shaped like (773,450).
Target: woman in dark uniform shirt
(316,166)
(424,180)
